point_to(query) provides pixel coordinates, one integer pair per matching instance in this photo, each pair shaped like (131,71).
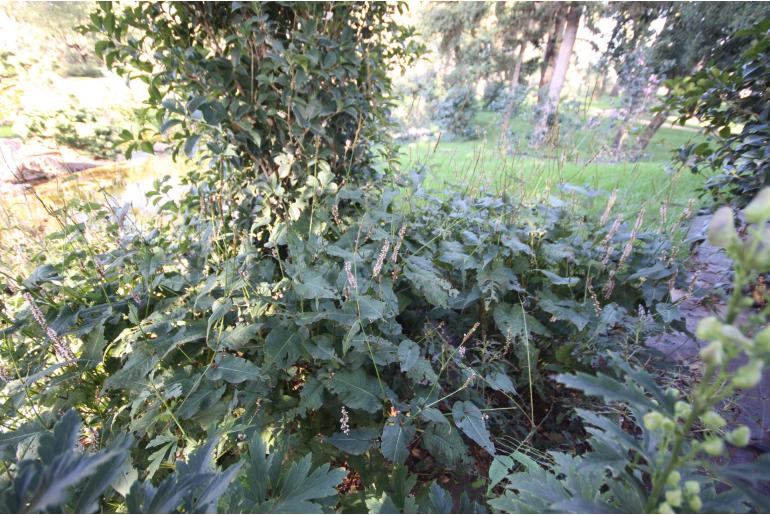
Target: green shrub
(664,462)
(454,113)
(732,104)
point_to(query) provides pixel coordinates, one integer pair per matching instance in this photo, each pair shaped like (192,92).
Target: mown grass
(535,173)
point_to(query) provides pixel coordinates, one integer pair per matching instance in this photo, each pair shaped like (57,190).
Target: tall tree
(694,34)
(574,13)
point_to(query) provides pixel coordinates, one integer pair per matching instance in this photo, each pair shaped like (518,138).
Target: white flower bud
(758,210)
(713,353)
(673,479)
(713,446)
(692,487)
(721,231)
(682,409)
(708,329)
(739,436)
(713,420)
(674,498)
(749,375)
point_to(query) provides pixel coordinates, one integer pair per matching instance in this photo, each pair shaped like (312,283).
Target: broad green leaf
(440,500)
(501,382)
(356,390)
(239,336)
(558,280)
(314,286)
(510,320)
(397,434)
(283,347)
(468,417)
(443,442)
(233,369)
(368,308)
(357,441)
(408,354)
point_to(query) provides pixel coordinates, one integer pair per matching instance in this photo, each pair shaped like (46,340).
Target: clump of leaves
(455,111)
(722,99)
(665,465)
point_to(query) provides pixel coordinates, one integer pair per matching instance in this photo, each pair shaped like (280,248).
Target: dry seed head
(397,246)
(344,421)
(630,244)
(61,348)
(352,282)
(610,203)
(381,259)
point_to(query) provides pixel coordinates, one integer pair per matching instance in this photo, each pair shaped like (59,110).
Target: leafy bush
(455,111)
(664,462)
(359,326)
(722,99)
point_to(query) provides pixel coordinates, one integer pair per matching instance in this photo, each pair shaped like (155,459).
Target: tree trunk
(551,104)
(517,68)
(549,57)
(656,123)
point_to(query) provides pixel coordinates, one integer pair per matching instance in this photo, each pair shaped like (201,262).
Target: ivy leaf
(234,370)
(396,436)
(356,442)
(468,418)
(408,354)
(357,390)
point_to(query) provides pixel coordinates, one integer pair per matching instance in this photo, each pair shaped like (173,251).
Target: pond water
(28,211)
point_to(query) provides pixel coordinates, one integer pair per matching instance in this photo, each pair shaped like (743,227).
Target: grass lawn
(533,173)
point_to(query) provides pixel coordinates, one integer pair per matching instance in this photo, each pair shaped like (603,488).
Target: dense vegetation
(309,329)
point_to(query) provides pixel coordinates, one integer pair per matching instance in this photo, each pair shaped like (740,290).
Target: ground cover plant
(312,326)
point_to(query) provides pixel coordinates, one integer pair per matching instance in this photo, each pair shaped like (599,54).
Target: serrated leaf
(444,443)
(408,354)
(559,280)
(356,390)
(314,286)
(501,382)
(233,369)
(511,321)
(396,436)
(468,418)
(356,442)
